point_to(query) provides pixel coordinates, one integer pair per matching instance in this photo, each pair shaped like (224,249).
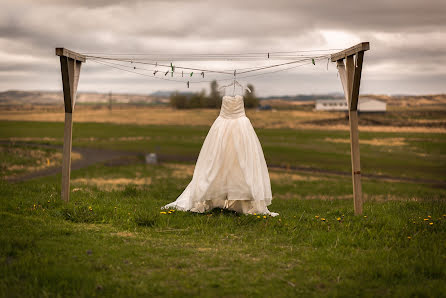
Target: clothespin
(166,73)
(171,66)
(154,73)
(172,74)
(312,60)
(182,73)
(268,55)
(156,64)
(187,84)
(202,74)
(192,73)
(134,67)
(328,61)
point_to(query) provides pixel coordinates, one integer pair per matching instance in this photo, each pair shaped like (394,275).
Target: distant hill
(16,97)
(167,94)
(305,97)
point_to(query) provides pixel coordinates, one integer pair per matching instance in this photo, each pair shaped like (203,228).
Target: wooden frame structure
(70,65)
(350,73)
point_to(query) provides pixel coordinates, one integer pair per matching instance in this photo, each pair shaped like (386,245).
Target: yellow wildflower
(171,210)
(426,219)
(89,208)
(258,216)
(431,223)
(162,212)
(429,216)
(365,216)
(255,213)
(323,219)
(264,216)
(408,237)
(317,216)
(338,219)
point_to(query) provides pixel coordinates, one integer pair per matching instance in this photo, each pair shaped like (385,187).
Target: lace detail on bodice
(232,107)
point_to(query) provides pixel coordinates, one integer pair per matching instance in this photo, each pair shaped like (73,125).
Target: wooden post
(70,65)
(350,74)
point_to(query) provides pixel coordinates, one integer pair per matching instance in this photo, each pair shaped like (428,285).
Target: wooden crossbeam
(360,47)
(70,54)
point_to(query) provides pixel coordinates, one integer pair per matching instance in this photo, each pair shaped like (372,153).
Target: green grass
(422,156)
(117,243)
(124,246)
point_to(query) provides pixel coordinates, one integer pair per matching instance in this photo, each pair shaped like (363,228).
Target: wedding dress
(231,170)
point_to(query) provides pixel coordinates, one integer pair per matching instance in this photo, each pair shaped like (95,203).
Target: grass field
(112,239)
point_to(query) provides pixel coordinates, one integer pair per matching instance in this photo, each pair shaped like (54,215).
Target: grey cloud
(407,36)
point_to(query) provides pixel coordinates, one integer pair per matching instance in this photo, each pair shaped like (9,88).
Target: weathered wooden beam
(356,166)
(66,157)
(70,66)
(70,54)
(363,46)
(350,74)
(353,106)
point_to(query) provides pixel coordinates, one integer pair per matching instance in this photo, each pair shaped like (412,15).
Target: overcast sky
(407,40)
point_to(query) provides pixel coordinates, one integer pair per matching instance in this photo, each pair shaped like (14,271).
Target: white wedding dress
(231,171)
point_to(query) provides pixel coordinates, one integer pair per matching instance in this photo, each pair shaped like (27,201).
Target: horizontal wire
(271,66)
(208,70)
(173,59)
(210,54)
(146,69)
(202,81)
(249,69)
(275,71)
(155,77)
(164,65)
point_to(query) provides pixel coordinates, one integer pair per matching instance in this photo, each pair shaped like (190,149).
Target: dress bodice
(232,107)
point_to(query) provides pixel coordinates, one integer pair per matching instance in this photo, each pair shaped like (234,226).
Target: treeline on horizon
(209,101)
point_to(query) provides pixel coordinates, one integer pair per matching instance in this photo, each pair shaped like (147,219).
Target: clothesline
(164,53)
(143,71)
(176,71)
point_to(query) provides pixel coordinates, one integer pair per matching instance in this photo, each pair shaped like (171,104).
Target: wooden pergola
(349,72)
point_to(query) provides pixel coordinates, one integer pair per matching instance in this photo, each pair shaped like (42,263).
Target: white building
(365,104)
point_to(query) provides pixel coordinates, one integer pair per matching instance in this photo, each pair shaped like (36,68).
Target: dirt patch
(112,183)
(366,197)
(295,195)
(124,234)
(187,171)
(373,142)
(30,139)
(181,170)
(290,176)
(27,160)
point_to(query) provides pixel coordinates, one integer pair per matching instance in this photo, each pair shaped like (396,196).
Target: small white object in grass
(151,158)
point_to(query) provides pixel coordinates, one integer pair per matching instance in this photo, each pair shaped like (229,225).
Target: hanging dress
(231,170)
